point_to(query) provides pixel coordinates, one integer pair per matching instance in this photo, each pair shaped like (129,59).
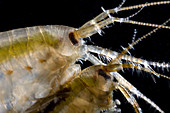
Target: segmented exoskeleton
(38,68)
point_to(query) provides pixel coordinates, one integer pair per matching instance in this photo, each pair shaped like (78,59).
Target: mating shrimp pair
(38,72)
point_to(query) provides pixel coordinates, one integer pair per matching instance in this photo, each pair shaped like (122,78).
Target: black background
(25,13)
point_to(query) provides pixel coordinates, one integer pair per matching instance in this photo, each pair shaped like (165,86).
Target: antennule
(143,5)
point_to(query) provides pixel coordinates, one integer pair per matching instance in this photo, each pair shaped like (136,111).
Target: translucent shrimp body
(38,68)
(30,57)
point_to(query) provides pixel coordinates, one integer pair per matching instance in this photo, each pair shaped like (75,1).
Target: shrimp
(39,72)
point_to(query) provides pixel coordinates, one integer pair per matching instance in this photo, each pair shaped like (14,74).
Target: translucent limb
(125,84)
(144,62)
(144,69)
(138,60)
(117,56)
(129,98)
(104,14)
(141,61)
(95,25)
(132,89)
(94,28)
(123,90)
(102,51)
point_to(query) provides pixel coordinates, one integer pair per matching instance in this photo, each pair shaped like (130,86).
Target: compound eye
(73,39)
(103,74)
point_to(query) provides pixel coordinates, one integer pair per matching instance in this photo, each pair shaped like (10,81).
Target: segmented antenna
(145,24)
(143,37)
(102,20)
(123,2)
(141,61)
(141,5)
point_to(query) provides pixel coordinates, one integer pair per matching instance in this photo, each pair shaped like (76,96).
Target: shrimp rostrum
(38,70)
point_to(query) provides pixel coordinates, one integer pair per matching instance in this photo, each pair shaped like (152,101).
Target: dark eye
(102,73)
(72,38)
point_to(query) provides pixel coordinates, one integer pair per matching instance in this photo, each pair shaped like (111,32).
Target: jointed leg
(143,69)
(119,66)
(125,84)
(129,98)
(133,90)
(117,56)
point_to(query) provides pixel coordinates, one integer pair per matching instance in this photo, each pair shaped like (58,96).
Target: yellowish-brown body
(89,92)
